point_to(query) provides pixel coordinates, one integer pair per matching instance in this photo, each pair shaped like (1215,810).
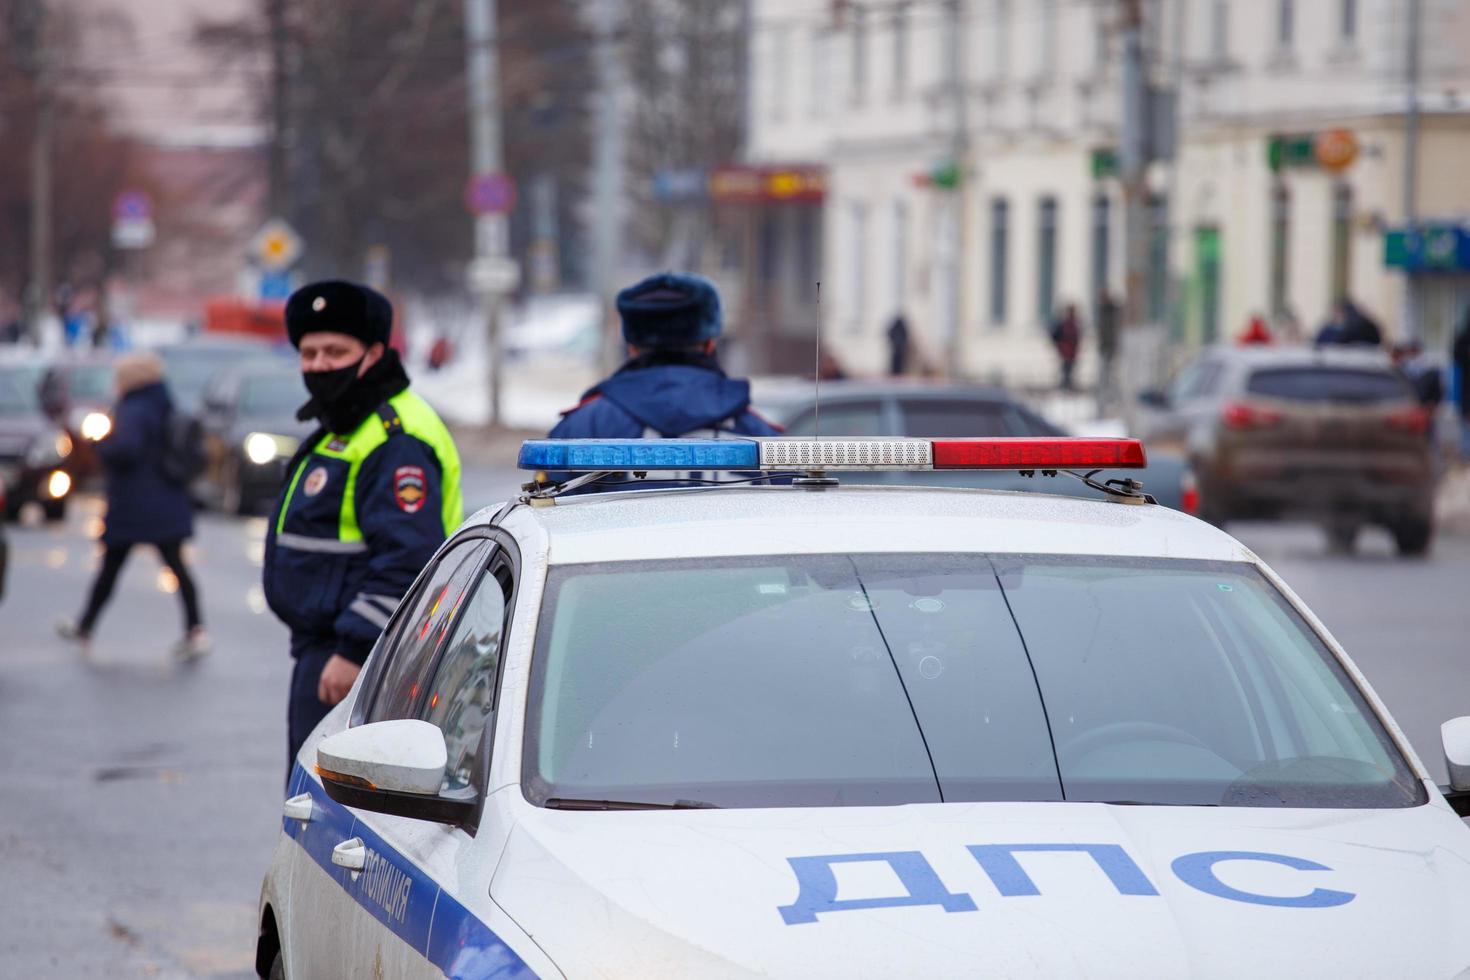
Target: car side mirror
(394,767)
(1153,398)
(1455,734)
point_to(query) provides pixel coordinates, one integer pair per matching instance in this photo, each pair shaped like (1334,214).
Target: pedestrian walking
(672,384)
(1109,313)
(146,504)
(1350,325)
(368,499)
(1460,380)
(1255,332)
(1066,336)
(898,346)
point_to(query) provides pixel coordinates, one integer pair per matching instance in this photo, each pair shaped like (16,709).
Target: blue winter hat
(672,309)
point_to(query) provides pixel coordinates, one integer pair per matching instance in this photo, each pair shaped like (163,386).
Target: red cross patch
(410,488)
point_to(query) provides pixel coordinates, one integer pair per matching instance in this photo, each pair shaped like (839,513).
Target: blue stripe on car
(401,896)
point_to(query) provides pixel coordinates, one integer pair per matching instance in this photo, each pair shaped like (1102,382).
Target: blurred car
(77,394)
(190,366)
(250,432)
(34,450)
(1332,434)
(872,408)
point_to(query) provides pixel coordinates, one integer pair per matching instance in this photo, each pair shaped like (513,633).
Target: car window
(462,693)
(19,394)
(1199,380)
(929,417)
(864,679)
(1195,683)
(420,630)
(1329,384)
(1028,423)
(271,395)
(848,418)
(90,382)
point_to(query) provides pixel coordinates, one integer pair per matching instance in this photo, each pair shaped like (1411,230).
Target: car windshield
(1323,384)
(89,382)
(888,679)
(18,392)
(190,369)
(271,395)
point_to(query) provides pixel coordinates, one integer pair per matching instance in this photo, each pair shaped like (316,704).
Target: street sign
(276,245)
(1336,149)
(680,185)
(132,205)
(493,193)
(275,285)
(493,274)
(1430,247)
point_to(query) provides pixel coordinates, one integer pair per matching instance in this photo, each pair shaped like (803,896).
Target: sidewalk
(1452,505)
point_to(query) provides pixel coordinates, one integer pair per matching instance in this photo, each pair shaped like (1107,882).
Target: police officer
(672,385)
(368,497)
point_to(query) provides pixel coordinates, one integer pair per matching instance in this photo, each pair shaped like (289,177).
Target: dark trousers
(305,709)
(112,563)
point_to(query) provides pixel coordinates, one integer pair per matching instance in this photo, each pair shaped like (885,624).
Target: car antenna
(817,372)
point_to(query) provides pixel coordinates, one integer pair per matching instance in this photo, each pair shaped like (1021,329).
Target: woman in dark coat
(144,506)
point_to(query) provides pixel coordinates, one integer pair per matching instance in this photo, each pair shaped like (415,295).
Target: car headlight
(63,445)
(46,452)
(261,448)
(59,484)
(95,426)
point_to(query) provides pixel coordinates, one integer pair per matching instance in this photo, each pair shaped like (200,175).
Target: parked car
(250,432)
(76,393)
(871,408)
(190,366)
(35,452)
(1334,435)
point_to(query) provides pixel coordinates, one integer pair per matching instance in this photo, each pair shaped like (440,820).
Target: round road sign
(490,194)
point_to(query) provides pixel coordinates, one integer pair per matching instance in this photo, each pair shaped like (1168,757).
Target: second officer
(368,497)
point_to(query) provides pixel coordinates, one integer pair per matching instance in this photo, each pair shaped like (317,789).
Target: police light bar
(787,453)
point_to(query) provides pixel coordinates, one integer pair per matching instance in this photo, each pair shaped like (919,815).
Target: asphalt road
(140,799)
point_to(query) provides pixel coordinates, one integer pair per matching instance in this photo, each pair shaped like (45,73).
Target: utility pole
(1411,161)
(608,180)
(280,116)
(1133,168)
(491,230)
(954,219)
(38,296)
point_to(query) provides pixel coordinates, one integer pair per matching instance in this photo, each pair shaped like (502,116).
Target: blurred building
(970,151)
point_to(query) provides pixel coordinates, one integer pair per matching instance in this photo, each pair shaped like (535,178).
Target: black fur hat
(341,307)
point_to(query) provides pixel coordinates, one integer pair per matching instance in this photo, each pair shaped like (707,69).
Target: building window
(859,66)
(1047,53)
(817,94)
(1101,27)
(999,249)
(1101,251)
(1348,20)
(1207,281)
(900,28)
(1220,30)
(780,68)
(900,258)
(1157,285)
(1046,258)
(1342,238)
(1285,23)
(1000,55)
(857,296)
(1280,246)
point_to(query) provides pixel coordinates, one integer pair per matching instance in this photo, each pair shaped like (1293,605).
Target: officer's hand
(336,680)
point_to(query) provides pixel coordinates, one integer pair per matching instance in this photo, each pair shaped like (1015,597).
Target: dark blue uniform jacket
(664,397)
(340,600)
(143,505)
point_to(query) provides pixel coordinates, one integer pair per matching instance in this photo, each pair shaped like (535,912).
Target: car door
(336,914)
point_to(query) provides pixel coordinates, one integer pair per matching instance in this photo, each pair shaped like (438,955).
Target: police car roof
(731,521)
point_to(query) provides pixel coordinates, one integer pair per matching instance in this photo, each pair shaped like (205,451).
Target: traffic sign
(276,245)
(493,193)
(1336,149)
(275,285)
(132,205)
(494,274)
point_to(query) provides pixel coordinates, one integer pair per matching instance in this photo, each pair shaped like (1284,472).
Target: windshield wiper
(566,803)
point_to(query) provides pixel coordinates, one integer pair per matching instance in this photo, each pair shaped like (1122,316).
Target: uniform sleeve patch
(410,488)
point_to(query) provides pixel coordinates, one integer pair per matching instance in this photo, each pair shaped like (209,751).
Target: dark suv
(1335,435)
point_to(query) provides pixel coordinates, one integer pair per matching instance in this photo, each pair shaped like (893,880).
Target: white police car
(839,731)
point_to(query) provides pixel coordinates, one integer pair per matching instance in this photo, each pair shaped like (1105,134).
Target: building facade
(969,147)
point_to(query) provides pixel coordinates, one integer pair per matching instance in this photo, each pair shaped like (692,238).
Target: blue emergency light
(765,454)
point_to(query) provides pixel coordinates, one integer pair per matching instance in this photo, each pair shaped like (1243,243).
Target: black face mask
(328,387)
